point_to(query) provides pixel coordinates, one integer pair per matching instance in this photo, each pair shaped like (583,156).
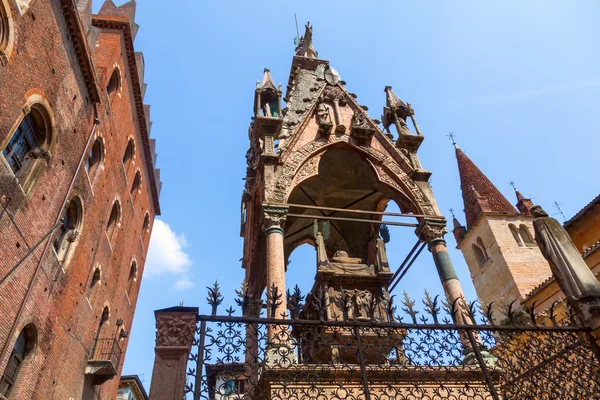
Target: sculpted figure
(571,272)
(305,47)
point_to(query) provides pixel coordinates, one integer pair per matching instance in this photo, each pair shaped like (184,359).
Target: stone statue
(572,273)
(323,114)
(574,277)
(305,47)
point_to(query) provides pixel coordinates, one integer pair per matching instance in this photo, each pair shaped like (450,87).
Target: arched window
(27,150)
(70,229)
(114,220)
(135,186)
(526,236)
(23,348)
(145,225)
(128,156)
(479,252)
(132,278)
(114,84)
(101,345)
(516,235)
(5,26)
(95,280)
(95,158)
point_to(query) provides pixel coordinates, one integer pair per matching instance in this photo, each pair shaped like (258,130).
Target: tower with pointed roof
(497,240)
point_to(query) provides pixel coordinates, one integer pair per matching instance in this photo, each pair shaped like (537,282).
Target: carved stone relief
(175,330)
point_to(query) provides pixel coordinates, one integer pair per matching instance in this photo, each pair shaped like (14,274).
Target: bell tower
(321,171)
(497,241)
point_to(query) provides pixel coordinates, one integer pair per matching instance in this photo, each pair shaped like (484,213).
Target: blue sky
(518,82)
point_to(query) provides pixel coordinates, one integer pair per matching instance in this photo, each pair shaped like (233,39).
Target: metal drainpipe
(47,246)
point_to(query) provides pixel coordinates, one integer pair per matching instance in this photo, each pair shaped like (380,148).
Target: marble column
(274,224)
(432,232)
(175,330)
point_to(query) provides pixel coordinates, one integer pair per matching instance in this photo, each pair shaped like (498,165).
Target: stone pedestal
(175,330)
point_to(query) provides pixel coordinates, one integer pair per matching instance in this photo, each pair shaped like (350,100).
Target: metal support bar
(200,362)
(351,210)
(407,267)
(367,221)
(484,369)
(405,260)
(361,359)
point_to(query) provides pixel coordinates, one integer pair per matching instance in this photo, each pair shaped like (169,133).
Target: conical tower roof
(475,184)
(267,81)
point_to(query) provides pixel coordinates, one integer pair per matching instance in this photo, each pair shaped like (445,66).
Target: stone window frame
(97,271)
(129,155)
(65,238)
(132,276)
(480,252)
(114,84)
(36,107)
(136,185)
(526,237)
(7,32)
(96,158)
(113,224)
(30,336)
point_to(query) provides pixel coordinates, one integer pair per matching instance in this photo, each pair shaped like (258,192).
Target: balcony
(104,361)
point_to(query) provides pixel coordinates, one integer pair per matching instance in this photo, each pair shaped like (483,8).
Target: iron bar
(200,362)
(405,260)
(354,211)
(408,266)
(361,359)
(396,325)
(483,366)
(368,221)
(335,212)
(31,250)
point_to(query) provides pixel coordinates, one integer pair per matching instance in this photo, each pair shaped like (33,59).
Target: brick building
(78,194)
(498,242)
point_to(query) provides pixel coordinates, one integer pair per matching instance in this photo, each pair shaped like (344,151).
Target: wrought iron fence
(418,355)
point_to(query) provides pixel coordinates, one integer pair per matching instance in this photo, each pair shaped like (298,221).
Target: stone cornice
(82,51)
(123,24)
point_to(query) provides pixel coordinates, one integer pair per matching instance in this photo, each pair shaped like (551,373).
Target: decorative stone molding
(432,231)
(274,218)
(175,330)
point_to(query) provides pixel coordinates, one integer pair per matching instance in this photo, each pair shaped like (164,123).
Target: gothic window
(145,225)
(23,348)
(128,156)
(135,186)
(114,84)
(69,230)
(95,281)
(101,346)
(96,158)
(4,27)
(480,252)
(27,150)
(114,220)
(526,236)
(132,278)
(516,235)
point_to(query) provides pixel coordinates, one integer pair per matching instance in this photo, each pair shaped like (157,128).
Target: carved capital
(333,93)
(175,329)
(432,231)
(274,219)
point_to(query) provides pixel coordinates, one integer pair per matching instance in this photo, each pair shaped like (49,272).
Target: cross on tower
(512,183)
(452,136)
(452,212)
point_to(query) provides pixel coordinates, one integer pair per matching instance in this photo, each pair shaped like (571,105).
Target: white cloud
(166,254)
(183,284)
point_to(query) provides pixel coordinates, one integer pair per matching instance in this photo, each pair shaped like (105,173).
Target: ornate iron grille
(425,356)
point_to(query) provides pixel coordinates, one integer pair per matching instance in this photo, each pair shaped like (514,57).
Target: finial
(452,212)
(452,136)
(512,183)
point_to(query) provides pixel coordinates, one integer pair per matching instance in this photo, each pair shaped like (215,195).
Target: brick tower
(497,242)
(78,195)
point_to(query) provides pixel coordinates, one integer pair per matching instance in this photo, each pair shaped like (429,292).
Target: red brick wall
(44,61)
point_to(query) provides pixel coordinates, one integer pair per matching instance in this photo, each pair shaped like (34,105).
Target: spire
(459,230)
(479,193)
(305,46)
(391,100)
(524,204)
(267,81)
